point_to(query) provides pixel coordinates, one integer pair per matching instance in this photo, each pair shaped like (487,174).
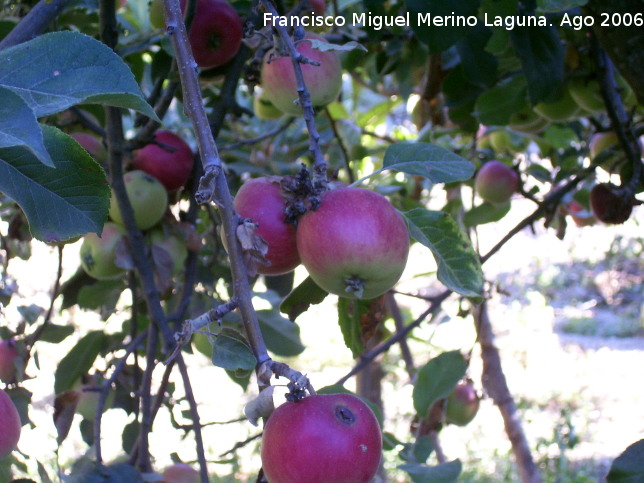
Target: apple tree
(205,159)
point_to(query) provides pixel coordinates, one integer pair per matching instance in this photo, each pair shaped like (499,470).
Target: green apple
(98,253)
(148,197)
(264,109)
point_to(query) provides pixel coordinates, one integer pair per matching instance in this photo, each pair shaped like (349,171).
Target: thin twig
(35,22)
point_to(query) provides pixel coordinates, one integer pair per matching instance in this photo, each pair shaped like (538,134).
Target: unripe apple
(169,159)
(88,399)
(260,199)
(180,473)
(216,33)
(264,109)
(601,141)
(10,425)
(331,438)
(91,144)
(8,357)
(503,141)
(148,197)
(174,246)
(98,254)
(586,94)
(462,405)
(611,204)
(495,182)
(355,244)
(323,81)
(563,109)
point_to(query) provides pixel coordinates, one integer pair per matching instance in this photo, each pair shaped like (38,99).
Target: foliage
(422,108)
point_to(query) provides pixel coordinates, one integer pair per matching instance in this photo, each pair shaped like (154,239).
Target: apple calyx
(354,286)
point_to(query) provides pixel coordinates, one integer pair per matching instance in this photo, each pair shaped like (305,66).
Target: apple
(586,94)
(580,215)
(323,81)
(611,204)
(333,438)
(169,159)
(174,246)
(148,197)
(8,357)
(264,109)
(462,404)
(318,6)
(503,140)
(261,200)
(495,182)
(88,399)
(355,244)
(10,424)
(180,473)
(91,144)
(563,109)
(216,33)
(98,253)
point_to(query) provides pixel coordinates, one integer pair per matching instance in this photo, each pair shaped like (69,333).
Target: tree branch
(35,22)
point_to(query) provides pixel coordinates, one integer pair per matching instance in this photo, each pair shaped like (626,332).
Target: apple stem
(354,285)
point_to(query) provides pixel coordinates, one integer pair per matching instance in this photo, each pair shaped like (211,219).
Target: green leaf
(443,473)
(79,360)
(54,333)
(439,38)
(485,213)
(437,379)
(424,159)
(282,336)
(323,46)
(301,298)
(629,466)
(57,70)
(61,203)
(542,58)
(496,106)
(479,65)
(559,5)
(19,126)
(230,351)
(459,267)
(349,312)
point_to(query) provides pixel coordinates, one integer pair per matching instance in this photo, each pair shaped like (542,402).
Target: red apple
(8,357)
(495,182)
(610,203)
(148,197)
(91,144)
(98,254)
(169,159)
(331,438)
(323,81)
(462,404)
(355,244)
(180,473)
(318,6)
(216,33)
(260,199)
(10,425)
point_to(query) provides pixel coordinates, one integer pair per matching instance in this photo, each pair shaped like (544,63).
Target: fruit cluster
(354,245)
(161,168)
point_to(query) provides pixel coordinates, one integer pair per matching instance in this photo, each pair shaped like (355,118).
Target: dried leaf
(260,407)
(64,410)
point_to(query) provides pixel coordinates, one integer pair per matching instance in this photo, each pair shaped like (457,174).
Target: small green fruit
(148,197)
(98,254)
